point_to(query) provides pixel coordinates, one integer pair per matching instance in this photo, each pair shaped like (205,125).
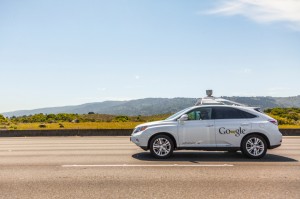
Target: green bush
(2,118)
(288,116)
(121,118)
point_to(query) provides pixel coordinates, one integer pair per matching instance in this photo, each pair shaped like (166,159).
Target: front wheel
(254,146)
(161,146)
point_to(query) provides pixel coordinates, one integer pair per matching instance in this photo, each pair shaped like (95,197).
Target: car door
(230,126)
(198,130)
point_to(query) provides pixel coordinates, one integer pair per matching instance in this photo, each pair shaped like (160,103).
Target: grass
(83,125)
(94,125)
(289,126)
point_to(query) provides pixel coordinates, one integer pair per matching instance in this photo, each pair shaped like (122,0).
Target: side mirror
(184,117)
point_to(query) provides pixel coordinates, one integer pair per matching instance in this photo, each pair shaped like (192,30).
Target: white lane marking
(151,165)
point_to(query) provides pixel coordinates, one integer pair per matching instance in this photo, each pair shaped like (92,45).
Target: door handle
(245,124)
(210,125)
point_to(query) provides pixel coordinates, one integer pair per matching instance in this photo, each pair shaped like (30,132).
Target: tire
(161,146)
(254,146)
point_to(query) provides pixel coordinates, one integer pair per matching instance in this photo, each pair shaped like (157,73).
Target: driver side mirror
(184,117)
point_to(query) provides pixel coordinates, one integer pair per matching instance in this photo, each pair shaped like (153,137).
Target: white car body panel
(230,131)
(196,133)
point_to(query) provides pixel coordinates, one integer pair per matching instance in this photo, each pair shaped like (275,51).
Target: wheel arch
(257,133)
(162,133)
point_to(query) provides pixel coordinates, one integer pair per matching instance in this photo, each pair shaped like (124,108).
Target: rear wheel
(161,146)
(254,146)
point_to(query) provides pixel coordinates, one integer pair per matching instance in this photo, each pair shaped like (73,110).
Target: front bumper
(135,140)
(138,140)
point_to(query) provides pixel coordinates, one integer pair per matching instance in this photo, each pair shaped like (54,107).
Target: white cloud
(246,70)
(137,77)
(102,89)
(263,11)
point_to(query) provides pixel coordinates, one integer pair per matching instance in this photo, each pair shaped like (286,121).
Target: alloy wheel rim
(161,147)
(255,146)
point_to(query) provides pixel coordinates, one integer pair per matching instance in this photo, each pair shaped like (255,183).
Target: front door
(198,130)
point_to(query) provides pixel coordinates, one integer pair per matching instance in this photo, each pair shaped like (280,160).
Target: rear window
(248,115)
(230,113)
(258,110)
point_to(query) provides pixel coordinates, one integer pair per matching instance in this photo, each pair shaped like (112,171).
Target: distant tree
(91,113)
(138,119)
(121,118)
(38,118)
(2,118)
(51,116)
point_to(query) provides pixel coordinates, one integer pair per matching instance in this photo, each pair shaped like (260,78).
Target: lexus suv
(211,128)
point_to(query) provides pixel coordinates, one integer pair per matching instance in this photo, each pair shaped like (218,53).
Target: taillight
(274,122)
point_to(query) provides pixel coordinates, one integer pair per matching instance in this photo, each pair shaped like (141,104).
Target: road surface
(112,167)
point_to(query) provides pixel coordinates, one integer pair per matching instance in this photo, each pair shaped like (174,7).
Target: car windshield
(172,117)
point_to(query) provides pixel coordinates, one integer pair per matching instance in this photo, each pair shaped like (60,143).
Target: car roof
(229,106)
(217,105)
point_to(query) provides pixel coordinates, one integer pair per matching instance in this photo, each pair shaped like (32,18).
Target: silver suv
(210,127)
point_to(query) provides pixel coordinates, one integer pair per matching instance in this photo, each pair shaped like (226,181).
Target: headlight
(141,128)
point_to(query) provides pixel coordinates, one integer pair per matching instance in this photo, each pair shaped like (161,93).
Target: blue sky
(55,53)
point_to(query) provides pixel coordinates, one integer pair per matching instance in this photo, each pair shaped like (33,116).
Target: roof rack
(211,100)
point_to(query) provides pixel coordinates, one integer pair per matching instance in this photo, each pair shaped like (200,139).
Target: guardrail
(95,132)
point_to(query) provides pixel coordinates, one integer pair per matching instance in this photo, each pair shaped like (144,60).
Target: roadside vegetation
(286,117)
(75,121)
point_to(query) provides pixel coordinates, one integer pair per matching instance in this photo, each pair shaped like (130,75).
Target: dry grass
(96,125)
(84,125)
(289,126)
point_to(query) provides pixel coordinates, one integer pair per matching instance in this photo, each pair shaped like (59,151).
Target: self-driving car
(211,128)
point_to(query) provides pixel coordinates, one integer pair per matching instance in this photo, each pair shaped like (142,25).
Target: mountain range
(153,106)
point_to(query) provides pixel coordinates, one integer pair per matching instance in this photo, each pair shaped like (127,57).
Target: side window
(248,115)
(200,114)
(228,113)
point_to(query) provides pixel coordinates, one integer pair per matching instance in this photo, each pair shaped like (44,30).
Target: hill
(268,102)
(147,106)
(154,106)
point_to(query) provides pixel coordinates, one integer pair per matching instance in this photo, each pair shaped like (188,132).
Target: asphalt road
(112,167)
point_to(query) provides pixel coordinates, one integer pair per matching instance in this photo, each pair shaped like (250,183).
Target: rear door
(231,124)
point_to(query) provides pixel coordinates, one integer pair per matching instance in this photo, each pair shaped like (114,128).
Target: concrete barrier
(95,132)
(290,132)
(66,132)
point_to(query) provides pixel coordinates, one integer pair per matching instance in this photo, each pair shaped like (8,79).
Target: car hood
(156,123)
